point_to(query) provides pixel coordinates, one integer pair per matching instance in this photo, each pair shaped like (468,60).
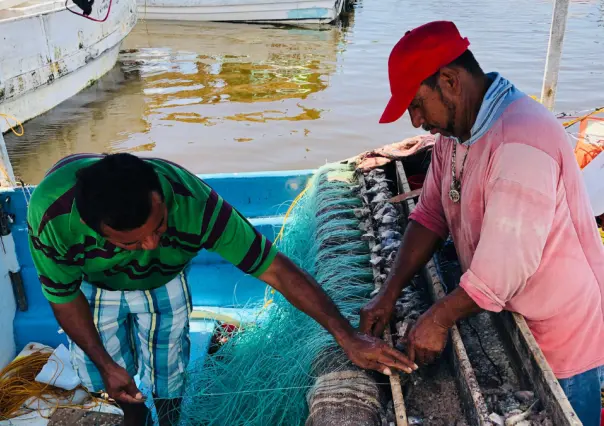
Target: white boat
(280,11)
(49,54)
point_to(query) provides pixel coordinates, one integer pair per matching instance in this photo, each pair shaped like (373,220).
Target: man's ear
(449,81)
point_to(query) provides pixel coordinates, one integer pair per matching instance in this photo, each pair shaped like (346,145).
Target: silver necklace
(455,191)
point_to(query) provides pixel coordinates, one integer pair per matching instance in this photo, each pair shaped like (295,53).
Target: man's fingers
(134,392)
(400,357)
(123,396)
(420,354)
(366,323)
(373,365)
(391,362)
(378,328)
(411,352)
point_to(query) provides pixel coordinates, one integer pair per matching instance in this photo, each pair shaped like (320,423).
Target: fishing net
(263,374)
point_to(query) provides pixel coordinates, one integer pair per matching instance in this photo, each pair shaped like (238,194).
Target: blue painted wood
(261,197)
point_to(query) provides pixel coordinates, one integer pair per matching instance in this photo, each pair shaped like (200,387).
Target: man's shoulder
(527,122)
(185,184)
(53,197)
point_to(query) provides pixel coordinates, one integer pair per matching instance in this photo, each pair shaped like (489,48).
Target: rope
(270,292)
(289,210)
(18,385)
(569,123)
(6,117)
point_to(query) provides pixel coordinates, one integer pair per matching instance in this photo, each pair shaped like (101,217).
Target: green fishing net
(262,374)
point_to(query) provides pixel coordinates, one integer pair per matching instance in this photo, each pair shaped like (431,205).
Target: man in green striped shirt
(110,236)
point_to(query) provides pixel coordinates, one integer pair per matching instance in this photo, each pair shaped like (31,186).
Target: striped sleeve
(235,239)
(223,229)
(59,277)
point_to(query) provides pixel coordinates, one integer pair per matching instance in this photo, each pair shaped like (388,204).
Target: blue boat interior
(216,286)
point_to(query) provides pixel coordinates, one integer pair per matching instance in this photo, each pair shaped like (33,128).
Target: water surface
(234,98)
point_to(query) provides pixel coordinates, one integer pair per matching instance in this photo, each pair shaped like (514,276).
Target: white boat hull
(61,54)
(281,11)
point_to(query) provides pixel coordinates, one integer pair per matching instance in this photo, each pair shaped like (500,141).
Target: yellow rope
(6,117)
(18,385)
(21,133)
(569,123)
(5,174)
(583,117)
(269,292)
(289,210)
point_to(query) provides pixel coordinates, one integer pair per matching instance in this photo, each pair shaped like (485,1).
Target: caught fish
(517,418)
(369,236)
(376,260)
(388,208)
(362,212)
(381,197)
(391,234)
(393,246)
(389,219)
(365,226)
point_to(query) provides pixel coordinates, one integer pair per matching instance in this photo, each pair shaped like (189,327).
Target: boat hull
(63,54)
(284,11)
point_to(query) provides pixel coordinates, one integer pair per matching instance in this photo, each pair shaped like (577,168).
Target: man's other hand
(374,354)
(376,314)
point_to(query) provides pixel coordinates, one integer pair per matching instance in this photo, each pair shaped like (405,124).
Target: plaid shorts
(146,332)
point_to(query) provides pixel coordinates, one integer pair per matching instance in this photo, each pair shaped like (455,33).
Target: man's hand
(376,314)
(305,294)
(426,340)
(371,353)
(428,337)
(120,386)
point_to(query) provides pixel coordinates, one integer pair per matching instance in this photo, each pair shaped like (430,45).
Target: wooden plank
(471,396)
(400,412)
(529,356)
(79,417)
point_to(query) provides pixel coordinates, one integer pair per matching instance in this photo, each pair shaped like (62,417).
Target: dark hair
(466,61)
(116,191)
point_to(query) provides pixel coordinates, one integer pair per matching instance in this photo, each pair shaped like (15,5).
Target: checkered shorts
(146,332)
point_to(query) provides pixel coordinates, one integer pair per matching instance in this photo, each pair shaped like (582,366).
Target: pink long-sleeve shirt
(525,233)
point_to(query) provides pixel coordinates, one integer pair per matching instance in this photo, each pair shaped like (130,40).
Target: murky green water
(233,98)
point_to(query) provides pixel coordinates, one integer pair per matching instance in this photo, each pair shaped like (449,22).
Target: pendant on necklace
(454,194)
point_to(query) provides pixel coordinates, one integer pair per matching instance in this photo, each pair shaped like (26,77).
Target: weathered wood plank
(79,417)
(533,365)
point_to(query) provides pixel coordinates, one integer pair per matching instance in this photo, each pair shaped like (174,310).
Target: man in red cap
(505,184)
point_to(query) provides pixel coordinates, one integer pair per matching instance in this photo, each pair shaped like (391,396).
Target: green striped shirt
(65,251)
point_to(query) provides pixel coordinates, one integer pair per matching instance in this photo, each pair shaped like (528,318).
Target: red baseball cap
(418,55)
